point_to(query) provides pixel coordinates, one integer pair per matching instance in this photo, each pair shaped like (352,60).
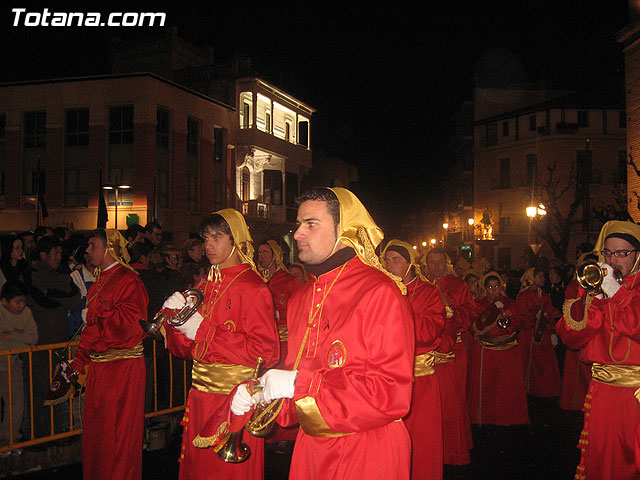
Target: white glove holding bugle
(278,384)
(176,302)
(610,285)
(243,401)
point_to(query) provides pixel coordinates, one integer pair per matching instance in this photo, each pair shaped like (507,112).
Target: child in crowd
(17,330)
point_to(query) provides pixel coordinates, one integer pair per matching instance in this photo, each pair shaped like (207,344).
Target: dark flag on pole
(103,217)
(42,204)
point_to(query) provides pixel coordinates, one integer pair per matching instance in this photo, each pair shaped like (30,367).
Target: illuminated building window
(77,127)
(121,124)
(245,185)
(246,110)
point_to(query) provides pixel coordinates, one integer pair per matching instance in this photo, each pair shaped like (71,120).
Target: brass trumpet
(590,277)
(503,321)
(152,329)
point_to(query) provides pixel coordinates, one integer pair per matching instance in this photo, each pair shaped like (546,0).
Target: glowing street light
(471,221)
(415,247)
(424,244)
(445,225)
(433,241)
(531,211)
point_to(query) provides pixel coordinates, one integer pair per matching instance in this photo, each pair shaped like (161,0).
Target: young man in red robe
(232,328)
(282,286)
(351,341)
(606,327)
(540,364)
(111,348)
(424,420)
(497,395)
(455,411)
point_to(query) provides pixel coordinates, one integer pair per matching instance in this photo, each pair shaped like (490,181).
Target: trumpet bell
(590,277)
(233,450)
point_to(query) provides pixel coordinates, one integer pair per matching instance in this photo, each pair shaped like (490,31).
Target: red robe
(457,412)
(576,374)
(282,286)
(540,365)
(611,337)
(424,420)
(497,394)
(357,370)
(113,421)
(238,327)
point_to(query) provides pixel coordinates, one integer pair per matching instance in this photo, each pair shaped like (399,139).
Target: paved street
(544,450)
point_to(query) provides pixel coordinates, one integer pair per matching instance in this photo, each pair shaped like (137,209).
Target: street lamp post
(536,212)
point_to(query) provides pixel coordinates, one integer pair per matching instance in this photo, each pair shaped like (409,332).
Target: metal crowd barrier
(158,361)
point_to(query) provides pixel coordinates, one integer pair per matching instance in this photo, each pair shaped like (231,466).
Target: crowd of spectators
(48,270)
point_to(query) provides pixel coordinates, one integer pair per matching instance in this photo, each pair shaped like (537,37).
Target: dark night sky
(385,80)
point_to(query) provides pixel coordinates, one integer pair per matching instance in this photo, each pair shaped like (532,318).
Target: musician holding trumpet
(604,322)
(233,326)
(349,367)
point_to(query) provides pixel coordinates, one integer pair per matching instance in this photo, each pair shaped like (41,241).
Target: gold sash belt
(617,375)
(117,354)
(424,364)
(459,337)
(498,343)
(312,422)
(218,377)
(283,333)
(443,357)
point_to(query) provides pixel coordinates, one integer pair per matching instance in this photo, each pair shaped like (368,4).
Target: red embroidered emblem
(337,355)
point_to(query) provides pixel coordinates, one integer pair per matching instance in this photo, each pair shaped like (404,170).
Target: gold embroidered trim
(206,442)
(498,343)
(566,312)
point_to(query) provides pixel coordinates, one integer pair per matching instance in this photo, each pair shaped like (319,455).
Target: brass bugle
(590,277)
(503,321)
(233,449)
(152,329)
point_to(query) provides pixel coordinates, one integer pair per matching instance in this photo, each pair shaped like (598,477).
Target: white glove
(554,340)
(243,400)
(278,384)
(499,304)
(176,301)
(610,285)
(190,327)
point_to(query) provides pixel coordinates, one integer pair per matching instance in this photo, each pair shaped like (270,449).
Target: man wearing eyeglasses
(605,324)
